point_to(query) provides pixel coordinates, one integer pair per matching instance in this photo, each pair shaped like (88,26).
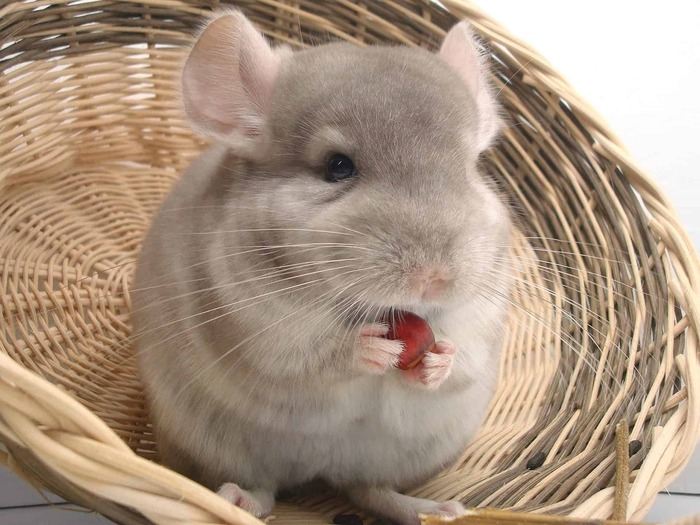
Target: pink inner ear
(458,51)
(258,66)
(461,51)
(228,79)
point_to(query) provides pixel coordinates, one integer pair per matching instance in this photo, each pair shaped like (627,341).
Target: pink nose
(429,283)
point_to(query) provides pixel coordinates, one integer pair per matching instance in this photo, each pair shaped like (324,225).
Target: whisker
(588,257)
(570,338)
(569,287)
(351,230)
(312,312)
(249,230)
(263,298)
(365,277)
(113,295)
(259,278)
(576,276)
(247,299)
(567,340)
(355,301)
(606,336)
(256,334)
(261,249)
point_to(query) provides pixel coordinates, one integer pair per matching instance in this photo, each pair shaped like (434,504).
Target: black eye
(339,167)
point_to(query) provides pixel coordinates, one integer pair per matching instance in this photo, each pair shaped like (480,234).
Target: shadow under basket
(604,326)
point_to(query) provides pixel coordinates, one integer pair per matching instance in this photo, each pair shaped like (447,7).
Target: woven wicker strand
(605,322)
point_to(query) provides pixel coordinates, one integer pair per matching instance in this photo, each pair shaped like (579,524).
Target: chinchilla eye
(339,167)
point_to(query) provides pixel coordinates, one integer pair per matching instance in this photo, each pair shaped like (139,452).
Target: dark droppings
(536,461)
(347,519)
(634,447)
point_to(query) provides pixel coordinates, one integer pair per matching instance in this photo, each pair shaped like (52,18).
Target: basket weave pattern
(605,319)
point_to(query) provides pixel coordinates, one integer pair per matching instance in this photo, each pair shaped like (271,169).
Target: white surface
(14,492)
(638,64)
(668,507)
(59,515)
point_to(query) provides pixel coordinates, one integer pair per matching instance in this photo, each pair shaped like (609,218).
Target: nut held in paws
(415,333)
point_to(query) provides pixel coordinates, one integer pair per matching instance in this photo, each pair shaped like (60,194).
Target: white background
(636,62)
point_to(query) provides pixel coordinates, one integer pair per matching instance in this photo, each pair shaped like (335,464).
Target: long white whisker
(248,230)
(533,315)
(256,334)
(258,278)
(247,299)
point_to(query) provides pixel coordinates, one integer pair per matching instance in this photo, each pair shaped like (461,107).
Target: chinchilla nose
(429,283)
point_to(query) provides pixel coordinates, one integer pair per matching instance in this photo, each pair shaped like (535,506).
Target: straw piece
(500,517)
(622,473)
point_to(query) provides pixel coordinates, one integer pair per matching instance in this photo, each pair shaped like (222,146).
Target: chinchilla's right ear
(228,79)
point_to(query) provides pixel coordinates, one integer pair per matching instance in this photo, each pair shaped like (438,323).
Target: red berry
(415,333)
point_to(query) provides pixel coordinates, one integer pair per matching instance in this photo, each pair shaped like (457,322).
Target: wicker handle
(68,438)
(501,517)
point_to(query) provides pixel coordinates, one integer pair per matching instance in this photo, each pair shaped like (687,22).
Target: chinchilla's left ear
(464,53)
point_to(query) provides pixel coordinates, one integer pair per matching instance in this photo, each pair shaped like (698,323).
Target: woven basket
(606,324)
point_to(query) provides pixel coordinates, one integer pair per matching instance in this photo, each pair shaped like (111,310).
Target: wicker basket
(606,327)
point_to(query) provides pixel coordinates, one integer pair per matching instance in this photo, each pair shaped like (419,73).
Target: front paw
(373,354)
(435,367)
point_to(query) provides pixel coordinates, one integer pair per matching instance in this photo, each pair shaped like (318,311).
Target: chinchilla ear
(464,53)
(228,79)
